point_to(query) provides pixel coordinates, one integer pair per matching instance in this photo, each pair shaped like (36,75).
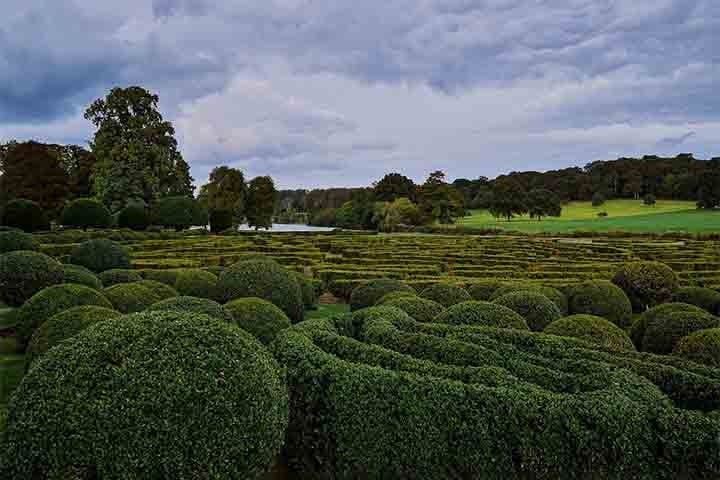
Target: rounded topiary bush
(637,331)
(168,277)
(553,294)
(25,215)
(602,299)
(84,213)
(664,332)
(592,329)
(100,254)
(180,212)
(220,220)
(705,298)
(193,305)
(262,279)
(11,241)
(80,275)
(421,309)
(134,217)
(259,317)
(367,294)
(537,310)
(483,290)
(482,313)
(23,274)
(702,346)
(353,323)
(130,297)
(212,403)
(53,300)
(446,294)
(118,275)
(159,289)
(395,295)
(307,288)
(64,325)
(195,282)
(646,283)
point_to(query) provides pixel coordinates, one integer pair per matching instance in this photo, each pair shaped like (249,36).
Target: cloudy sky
(338,92)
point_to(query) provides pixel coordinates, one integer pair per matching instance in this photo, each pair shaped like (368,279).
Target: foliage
(180,213)
(638,331)
(80,275)
(225,192)
(134,217)
(598,199)
(84,213)
(600,298)
(483,290)
(185,304)
(389,215)
(324,218)
(25,215)
(196,283)
(446,294)
(705,298)
(702,346)
(665,331)
(553,294)
(421,309)
(309,295)
(534,307)
(508,199)
(159,289)
(12,241)
(23,274)
(650,199)
(220,220)
(481,313)
(100,255)
(438,201)
(118,275)
(394,186)
(592,329)
(259,317)
(130,297)
(367,294)
(388,297)
(260,203)
(646,283)
(543,203)
(708,193)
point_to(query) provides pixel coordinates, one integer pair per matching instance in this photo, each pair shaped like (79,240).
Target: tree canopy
(260,202)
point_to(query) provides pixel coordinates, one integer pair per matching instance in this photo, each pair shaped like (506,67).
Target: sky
(320,93)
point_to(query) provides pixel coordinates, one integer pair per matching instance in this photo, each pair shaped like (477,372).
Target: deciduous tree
(260,203)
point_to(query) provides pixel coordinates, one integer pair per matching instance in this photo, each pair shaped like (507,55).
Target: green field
(623,215)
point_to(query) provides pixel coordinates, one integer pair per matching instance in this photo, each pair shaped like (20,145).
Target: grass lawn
(623,215)
(326,311)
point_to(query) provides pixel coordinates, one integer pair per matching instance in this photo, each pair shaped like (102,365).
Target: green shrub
(665,331)
(702,346)
(80,275)
(483,290)
(307,288)
(593,329)
(159,289)
(639,326)
(130,297)
(259,317)
(12,241)
(84,213)
(446,294)
(23,274)
(646,283)
(262,279)
(193,305)
(100,254)
(602,299)
(180,213)
(64,325)
(421,309)
(481,313)
(25,215)
(195,282)
(118,275)
(52,300)
(537,310)
(220,220)
(553,294)
(134,217)
(705,298)
(367,294)
(168,277)
(395,295)
(211,403)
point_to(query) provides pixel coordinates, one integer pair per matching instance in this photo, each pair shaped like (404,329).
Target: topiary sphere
(553,294)
(52,300)
(705,298)
(130,297)
(24,215)
(259,317)
(100,254)
(646,283)
(483,314)
(307,288)
(395,295)
(357,319)
(80,275)
(84,213)
(64,325)
(637,331)
(211,404)
(483,290)
(23,274)
(592,329)
(118,275)
(603,299)
(134,217)
(446,294)
(159,289)
(421,309)
(664,332)
(12,241)
(702,346)
(193,305)
(168,277)
(537,310)
(368,293)
(195,282)
(262,279)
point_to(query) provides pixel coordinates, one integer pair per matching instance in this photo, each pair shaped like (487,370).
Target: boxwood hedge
(639,326)
(368,293)
(421,309)
(118,275)
(591,329)
(646,283)
(665,331)
(130,297)
(483,290)
(600,298)
(537,310)
(159,289)
(259,317)
(705,298)
(553,294)
(702,346)
(309,295)
(11,241)
(446,294)
(23,274)
(195,282)
(193,305)
(100,255)
(481,313)
(80,275)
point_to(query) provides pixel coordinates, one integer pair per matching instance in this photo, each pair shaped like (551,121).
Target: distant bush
(194,282)
(309,296)
(600,298)
(118,275)
(421,309)
(23,274)
(661,312)
(180,213)
(598,199)
(220,220)
(193,305)
(11,241)
(25,215)
(650,199)
(80,275)
(130,297)
(705,298)
(259,317)
(395,295)
(326,217)
(168,277)
(446,294)
(159,289)
(367,294)
(134,217)
(483,290)
(84,213)
(702,346)
(665,331)
(553,294)
(100,255)
(592,329)
(646,283)
(537,310)
(481,313)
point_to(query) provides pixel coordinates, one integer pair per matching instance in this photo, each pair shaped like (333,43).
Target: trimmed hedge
(483,290)
(100,255)
(307,288)
(592,329)
(446,294)
(220,220)
(186,304)
(665,331)
(639,327)
(130,297)
(159,289)
(53,300)
(646,283)
(553,294)
(180,213)
(81,275)
(211,403)
(602,299)
(259,317)
(11,241)
(118,275)
(705,298)
(195,282)
(537,310)
(368,293)
(421,309)
(134,217)
(84,213)
(395,295)
(481,313)
(25,215)
(168,277)
(23,274)
(702,346)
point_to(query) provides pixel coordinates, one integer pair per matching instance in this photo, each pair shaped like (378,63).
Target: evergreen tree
(543,203)
(438,201)
(260,203)
(393,186)
(508,199)
(225,192)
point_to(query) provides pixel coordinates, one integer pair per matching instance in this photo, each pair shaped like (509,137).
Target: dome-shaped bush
(159,289)
(637,331)
(483,290)
(592,329)
(64,325)
(180,213)
(421,309)
(367,294)
(130,297)
(100,254)
(537,310)
(168,277)
(646,283)
(11,241)
(705,298)
(210,404)
(134,217)
(221,220)
(665,331)
(702,346)
(23,274)
(446,294)
(80,275)
(118,275)
(84,213)
(307,288)
(193,305)
(262,279)
(395,295)
(195,282)
(553,294)
(259,317)
(354,321)
(602,299)
(53,300)
(25,215)
(483,314)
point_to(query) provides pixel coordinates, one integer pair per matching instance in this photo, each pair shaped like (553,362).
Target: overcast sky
(339,92)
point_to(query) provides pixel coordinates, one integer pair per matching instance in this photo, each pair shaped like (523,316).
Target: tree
(543,203)
(393,186)
(649,199)
(180,213)
(225,191)
(439,201)
(508,199)
(260,203)
(709,186)
(84,213)
(598,199)
(389,215)
(137,154)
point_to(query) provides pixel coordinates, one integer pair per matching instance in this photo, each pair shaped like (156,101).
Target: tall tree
(137,154)
(439,201)
(709,186)
(260,203)
(508,199)
(393,186)
(543,203)
(225,191)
